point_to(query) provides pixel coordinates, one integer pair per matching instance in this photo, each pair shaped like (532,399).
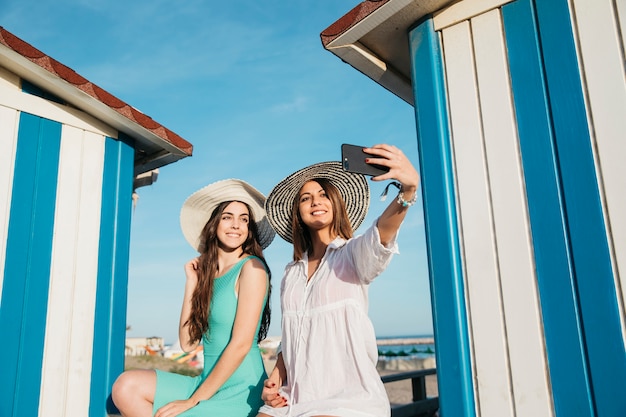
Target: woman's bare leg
(133,393)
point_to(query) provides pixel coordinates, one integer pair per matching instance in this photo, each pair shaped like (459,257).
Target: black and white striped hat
(353,188)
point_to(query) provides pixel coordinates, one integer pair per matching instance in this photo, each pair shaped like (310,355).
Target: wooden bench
(422,406)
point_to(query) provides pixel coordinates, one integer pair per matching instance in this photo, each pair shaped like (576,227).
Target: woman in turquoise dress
(225,307)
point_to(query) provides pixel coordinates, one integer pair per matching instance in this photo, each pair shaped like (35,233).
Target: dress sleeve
(369,256)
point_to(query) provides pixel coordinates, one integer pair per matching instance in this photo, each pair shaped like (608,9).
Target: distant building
(137,346)
(269,347)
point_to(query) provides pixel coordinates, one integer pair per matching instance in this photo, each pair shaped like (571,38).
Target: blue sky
(249,84)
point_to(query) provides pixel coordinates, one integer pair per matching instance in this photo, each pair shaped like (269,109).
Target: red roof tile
(69,75)
(354,16)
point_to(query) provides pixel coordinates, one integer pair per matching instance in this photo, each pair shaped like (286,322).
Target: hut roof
(155,145)
(373,38)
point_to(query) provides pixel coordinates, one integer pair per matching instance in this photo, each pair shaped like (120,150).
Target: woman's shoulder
(252,262)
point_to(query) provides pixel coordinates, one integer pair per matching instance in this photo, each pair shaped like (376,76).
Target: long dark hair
(341,223)
(198,320)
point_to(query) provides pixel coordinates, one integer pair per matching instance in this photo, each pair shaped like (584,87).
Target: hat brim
(199,206)
(353,188)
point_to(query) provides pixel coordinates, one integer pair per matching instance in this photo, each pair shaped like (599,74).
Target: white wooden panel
(603,70)
(18,100)
(493,388)
(56,356)
(464,10)
(9,122)
(81,346)
(71,305)
(519,292)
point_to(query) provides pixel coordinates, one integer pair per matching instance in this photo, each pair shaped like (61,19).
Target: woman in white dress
(327,363)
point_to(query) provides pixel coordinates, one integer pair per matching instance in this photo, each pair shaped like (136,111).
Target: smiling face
(318,208)
(232,230)
(315,207)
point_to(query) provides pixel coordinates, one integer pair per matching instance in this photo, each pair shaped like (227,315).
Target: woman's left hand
(175,408)
(400,168)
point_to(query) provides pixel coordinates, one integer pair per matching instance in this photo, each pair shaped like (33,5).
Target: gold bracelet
(406,203)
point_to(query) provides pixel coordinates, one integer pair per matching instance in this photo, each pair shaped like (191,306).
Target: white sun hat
(199,206)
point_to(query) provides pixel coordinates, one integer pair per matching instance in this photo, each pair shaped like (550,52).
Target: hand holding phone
(353,160)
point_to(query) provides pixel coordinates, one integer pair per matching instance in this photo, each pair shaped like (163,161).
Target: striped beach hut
(69,153)
(520,110)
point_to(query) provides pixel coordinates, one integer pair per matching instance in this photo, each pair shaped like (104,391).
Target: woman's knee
(133,385)
(122,387)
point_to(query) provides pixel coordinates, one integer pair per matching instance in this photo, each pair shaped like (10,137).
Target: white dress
(328,341)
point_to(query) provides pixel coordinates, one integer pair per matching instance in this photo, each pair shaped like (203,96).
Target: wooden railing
(422,406)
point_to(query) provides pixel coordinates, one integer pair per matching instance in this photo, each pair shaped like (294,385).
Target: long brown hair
(340,226)
(198,320)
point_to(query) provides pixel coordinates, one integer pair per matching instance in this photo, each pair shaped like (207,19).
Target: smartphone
(353,160)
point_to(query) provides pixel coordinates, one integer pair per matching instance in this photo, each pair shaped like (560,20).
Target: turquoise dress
(240,396)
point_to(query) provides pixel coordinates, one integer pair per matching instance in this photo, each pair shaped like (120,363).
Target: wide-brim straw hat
(353,188)
(199,206)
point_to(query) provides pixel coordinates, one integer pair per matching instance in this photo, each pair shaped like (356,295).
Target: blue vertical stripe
(27,267)
(555,275)
(454,369)
(585,221)
(112,285)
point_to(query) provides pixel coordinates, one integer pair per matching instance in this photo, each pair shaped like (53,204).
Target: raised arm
(253,285)
(401,170)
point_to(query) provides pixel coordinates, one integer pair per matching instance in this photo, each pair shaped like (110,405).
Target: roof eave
(154,147)
(380,25)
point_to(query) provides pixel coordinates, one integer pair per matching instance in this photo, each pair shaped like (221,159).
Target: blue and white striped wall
(65,208)
(521,118)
